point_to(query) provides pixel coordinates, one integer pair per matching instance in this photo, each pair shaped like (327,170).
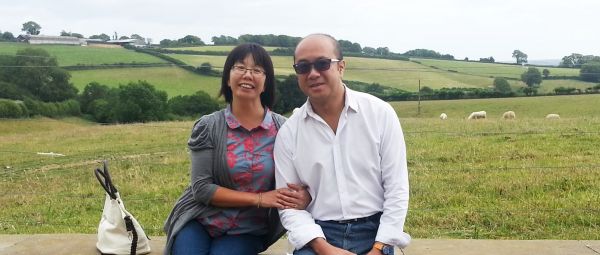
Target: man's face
(322,85)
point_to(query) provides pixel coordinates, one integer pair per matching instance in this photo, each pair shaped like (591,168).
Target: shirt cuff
(392,236)
(303,235)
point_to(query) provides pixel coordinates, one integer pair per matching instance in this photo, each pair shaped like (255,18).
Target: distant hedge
(13,109)
(53,109)
(30,107)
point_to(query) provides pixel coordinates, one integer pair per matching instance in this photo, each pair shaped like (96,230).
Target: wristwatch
(384,248)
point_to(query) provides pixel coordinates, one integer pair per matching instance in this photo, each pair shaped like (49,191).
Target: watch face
(387,250)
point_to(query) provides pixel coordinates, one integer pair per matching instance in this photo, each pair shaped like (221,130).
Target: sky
(543,29)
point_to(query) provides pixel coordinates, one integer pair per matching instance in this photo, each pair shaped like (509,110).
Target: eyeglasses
(242,70)
(304,67)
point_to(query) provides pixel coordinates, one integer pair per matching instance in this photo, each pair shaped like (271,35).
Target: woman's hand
(294,197)
(270,199)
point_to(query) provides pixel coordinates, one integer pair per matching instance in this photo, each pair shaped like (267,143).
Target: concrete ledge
(86,244)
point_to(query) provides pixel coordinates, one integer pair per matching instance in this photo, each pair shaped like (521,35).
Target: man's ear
(342,66)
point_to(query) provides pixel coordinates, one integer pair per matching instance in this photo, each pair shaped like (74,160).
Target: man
(348,148)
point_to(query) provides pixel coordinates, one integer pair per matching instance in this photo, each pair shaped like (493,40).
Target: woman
(230,205)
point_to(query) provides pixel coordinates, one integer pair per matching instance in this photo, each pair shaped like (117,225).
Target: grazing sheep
(443,116)
(553,116)
(509,115)
(477,115)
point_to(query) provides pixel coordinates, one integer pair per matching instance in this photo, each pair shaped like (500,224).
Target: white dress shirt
(355,172)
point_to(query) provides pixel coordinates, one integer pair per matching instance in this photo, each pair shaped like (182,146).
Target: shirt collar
(350,103)
(233,123)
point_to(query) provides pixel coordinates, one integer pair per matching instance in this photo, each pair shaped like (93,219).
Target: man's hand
(374,251)
(322,247)
(294,197)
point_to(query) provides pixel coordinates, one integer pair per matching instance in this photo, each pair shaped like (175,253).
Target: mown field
(173,80)
(407,74)
(393,73)
(529,178)
(492,69)
(74,55)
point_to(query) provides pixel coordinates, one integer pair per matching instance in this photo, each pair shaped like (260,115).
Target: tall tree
(31,28)
(590,71)
(103,37)
(520,57)
(7,36)
(501,85)
(191,40)
(546,73)
(39,74)
(532,77)
(289,95)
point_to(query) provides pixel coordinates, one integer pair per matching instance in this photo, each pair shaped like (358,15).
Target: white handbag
(119,232)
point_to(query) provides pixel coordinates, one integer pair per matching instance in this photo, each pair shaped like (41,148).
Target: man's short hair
(337,49)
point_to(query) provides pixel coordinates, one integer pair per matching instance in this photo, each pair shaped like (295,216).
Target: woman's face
(246,80)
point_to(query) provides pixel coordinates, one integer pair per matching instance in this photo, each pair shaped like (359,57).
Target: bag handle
(103,177)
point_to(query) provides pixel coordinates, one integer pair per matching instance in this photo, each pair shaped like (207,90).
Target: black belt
(358,220)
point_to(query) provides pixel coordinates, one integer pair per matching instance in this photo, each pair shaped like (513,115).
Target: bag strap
(103,177)
(131,228)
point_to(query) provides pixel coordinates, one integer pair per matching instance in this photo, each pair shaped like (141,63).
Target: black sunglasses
(304,67)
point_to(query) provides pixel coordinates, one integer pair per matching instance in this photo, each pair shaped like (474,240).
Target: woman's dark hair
(262,59)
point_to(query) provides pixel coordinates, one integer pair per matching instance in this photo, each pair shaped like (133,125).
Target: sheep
(477,115)
(443,116)
(552,116)
(509,115)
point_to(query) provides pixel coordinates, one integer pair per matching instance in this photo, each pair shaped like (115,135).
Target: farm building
(49,39)
(132,42)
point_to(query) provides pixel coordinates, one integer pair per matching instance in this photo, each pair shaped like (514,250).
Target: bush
(12,91)
(53,109)
(193,105)
(501,85)
(590,72)
(12,109)
(100,109)
(139,102)
(92,91)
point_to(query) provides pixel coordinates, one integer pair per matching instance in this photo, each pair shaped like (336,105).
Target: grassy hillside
(581,106)
(393,73)
(73,55)
(492,69)
(529,178)
(175,81)
(406,75)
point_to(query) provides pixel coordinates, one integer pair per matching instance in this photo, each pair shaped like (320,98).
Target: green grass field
(406,75)
(529,178)
(580,106)
(173,80)
(492,69)
(73,55)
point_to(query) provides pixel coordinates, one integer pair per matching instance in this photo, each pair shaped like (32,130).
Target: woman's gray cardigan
(209,170)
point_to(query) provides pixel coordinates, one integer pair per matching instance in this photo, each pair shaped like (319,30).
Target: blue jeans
(357,237)
(193,239)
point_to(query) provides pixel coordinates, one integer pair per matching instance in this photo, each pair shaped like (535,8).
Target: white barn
(49,39)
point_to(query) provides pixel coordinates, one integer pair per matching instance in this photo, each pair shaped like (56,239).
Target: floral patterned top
(251,166)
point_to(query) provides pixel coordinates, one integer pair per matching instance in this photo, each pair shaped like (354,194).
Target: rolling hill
(406,75)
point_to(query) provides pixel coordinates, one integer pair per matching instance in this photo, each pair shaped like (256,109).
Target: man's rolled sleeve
(301,227)
(395,183)
(300,224)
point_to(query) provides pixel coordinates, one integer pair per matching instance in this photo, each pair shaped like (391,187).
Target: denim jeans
(193,239)
(356,237)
